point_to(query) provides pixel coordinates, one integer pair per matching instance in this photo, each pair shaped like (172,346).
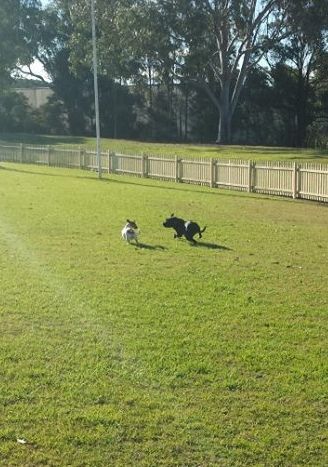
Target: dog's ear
(172,215)
(128,221)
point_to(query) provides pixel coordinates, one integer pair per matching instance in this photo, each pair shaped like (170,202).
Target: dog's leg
(201,231)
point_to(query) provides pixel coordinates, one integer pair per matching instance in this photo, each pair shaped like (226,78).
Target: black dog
(186,228)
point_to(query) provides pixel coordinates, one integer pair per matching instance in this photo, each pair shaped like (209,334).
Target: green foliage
(318,133)
(174,71)
(15,113)
(168,43)
(19,21)
(300,53)
(51,117)
(167,354)
(257,120)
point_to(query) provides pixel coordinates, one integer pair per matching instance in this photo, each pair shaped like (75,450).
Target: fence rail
(282,178)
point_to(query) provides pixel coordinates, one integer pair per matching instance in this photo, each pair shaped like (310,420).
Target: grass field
(181,150)
(167,354)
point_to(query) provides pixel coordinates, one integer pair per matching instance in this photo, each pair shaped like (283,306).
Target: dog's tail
(201,231)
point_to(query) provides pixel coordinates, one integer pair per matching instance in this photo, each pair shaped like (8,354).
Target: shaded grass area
(167,354)
(181,150)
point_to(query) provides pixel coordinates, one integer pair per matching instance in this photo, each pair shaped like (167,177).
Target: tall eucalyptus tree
(224,40)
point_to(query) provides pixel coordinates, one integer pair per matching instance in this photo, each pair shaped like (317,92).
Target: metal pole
(95,81)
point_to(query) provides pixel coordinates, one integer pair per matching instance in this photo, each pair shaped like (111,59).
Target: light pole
(95,82)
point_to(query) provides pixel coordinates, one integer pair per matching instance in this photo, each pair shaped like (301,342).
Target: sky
(38,69)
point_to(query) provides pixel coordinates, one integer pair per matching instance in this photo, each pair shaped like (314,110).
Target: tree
(209,43)
(317,132)
(219,42)
(18,39)
(15,113)
(306,23)
(65,52)
(133,48)
(256,119)
(18,46)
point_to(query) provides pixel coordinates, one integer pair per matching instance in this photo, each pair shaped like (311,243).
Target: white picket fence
(282,178)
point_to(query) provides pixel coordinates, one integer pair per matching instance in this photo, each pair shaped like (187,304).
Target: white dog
(130,231)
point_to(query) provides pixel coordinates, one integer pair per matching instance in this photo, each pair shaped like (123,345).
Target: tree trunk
(224,130)
(114,111)
(186,116)
(301,110)
(150,97)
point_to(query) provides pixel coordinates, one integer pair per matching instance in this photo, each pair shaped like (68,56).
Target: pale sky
(37,68)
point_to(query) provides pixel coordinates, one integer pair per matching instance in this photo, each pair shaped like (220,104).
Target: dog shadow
(210,246)
(146,246)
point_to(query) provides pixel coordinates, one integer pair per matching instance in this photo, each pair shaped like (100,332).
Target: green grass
(181,150)
(168,354)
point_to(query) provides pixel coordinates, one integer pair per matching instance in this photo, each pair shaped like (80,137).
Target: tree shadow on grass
(27,138)
(152,184)
(49,174)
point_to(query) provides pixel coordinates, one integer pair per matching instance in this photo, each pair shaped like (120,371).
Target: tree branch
(31,73)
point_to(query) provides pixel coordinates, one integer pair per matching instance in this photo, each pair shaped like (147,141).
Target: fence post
(212,172)
(108,160)
(21,152)
(295,180)
(177,169)
(48,154)
(251,172)
(144,165)
(82,158)
(113,162)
